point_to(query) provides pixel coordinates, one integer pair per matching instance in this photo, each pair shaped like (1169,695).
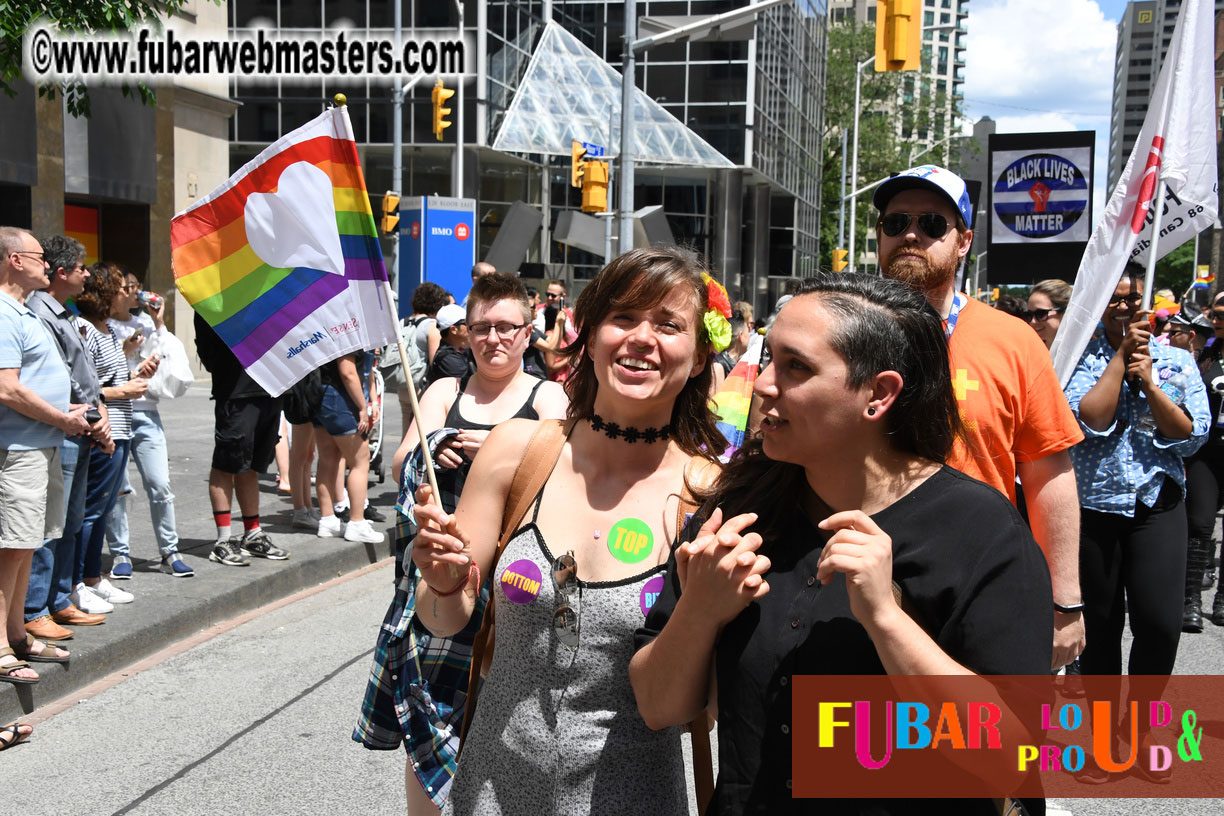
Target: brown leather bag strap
(540,457)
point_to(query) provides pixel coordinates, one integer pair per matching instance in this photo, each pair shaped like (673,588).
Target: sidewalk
(168,609)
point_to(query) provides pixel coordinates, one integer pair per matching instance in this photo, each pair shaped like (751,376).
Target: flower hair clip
(717,318)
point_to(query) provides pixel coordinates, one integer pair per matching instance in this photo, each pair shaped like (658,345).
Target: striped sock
(250,523)
(222,519)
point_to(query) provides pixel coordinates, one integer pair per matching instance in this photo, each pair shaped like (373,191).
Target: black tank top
(452,481)
(455,420)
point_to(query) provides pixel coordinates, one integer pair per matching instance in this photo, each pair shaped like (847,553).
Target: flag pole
(412,398)
(1149,277)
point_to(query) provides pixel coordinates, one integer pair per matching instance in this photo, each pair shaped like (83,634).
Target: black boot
(1209,574)
(1198,556)
(1217,607)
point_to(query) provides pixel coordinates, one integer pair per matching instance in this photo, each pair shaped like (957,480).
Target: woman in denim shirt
(1142,406)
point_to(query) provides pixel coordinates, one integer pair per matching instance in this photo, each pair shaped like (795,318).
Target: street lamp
(695,29)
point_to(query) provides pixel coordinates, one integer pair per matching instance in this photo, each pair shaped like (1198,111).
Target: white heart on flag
(296,225)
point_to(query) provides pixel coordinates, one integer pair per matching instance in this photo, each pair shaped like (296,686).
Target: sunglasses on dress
(565,584)
(933,224)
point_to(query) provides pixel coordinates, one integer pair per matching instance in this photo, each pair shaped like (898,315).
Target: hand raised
(863,552)
(720,568)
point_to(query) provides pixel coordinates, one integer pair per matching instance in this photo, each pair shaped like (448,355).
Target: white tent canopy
(569,94)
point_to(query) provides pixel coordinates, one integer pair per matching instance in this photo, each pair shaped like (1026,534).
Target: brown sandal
(7,669)
(47,655)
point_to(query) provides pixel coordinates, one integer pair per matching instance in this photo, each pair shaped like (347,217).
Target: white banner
(1176,145)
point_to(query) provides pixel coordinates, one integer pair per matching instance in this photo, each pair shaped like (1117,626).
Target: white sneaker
(330,527)
(86,600)
(306,518)
(110,593)
(362,531)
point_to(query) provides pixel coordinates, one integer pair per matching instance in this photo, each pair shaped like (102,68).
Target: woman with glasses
(425,712)
(841,495)
(1205,469)
(557,730)
(1142,407)
(1046,303)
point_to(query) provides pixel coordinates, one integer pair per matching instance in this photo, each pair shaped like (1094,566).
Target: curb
(132,633)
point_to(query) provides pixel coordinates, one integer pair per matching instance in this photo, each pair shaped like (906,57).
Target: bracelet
(1070,608)
(472,568)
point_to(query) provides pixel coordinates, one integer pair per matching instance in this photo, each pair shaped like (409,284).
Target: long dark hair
(638,280)
(878,325)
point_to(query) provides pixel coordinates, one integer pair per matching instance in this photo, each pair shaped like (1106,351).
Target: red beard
(919,271)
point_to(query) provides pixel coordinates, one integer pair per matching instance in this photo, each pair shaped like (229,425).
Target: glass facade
(758,103)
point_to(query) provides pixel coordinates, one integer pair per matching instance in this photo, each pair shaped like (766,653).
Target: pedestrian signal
(839,260)
(440,96)
(898,35)
(389,223)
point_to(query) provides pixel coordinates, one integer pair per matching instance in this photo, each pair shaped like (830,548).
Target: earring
(871,410)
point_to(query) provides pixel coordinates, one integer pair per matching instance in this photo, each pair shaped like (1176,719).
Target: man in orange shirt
(1015,416)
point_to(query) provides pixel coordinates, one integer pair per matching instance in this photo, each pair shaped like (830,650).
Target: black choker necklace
(630,434)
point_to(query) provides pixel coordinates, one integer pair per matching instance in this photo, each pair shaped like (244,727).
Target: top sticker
(630,540)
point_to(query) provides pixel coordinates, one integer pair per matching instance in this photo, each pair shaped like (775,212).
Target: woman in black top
(843,493)
(1205,484)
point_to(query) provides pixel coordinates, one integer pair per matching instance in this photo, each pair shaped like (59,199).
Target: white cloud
(1047,54)
(1033,123)
(1043,65)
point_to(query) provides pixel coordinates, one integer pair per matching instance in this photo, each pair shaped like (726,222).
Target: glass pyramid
(568,93)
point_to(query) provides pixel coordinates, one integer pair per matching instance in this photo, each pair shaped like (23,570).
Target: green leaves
(81,16)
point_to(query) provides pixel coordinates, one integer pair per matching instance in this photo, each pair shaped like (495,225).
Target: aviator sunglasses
(565,583)
(933,224)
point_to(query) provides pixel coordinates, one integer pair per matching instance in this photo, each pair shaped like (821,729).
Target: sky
(1044,65)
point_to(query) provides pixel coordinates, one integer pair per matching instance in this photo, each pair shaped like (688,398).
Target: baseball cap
(927,177)
(449,315)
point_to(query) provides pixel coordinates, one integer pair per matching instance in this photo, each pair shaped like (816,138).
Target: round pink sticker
(650,593)
(521,581)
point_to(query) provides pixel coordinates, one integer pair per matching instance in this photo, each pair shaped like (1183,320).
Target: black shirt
(971,576)
(449,361)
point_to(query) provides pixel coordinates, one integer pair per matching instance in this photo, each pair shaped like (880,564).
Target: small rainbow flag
(283,258)
(732,400)
(1204,279)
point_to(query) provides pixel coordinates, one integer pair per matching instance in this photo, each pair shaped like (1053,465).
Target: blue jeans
(148,448)
(51,571)
(105,476)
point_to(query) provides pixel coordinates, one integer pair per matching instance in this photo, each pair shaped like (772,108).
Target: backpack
(302,400)
(418,366)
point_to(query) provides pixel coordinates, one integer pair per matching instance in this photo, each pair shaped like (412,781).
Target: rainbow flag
(733,399)
(283,258)
(1204,279)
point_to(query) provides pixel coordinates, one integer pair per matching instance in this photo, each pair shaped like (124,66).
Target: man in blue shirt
(34,417)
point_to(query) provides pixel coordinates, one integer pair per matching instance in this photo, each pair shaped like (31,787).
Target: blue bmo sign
(437,244)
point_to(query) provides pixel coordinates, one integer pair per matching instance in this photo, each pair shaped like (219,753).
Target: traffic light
(898,35)
(577,157)
(389,223)
(839,260)
(440,96)
(594,186)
